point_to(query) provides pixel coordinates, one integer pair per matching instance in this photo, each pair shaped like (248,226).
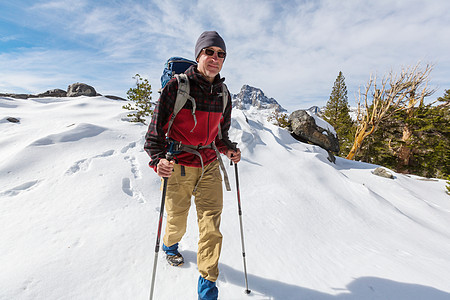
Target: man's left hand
(234,155)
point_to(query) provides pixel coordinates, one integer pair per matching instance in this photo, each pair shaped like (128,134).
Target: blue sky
(292,50)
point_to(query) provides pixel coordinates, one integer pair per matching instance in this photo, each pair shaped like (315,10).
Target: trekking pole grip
(169,156)
(233,146)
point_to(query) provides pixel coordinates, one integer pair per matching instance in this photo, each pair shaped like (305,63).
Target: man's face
(210,66)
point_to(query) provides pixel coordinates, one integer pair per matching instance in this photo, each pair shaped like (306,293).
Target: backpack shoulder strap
(225,94)
(181,99)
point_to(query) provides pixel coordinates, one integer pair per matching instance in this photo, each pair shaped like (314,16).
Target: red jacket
(209,110)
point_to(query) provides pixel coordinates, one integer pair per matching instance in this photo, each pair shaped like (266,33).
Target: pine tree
(445,98)
(279,119)
(141,96)
(337,113)
(429,143)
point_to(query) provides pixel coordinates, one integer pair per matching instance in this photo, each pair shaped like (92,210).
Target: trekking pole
(247,291)
(169,157)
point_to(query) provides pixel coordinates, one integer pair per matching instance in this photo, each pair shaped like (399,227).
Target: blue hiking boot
(174,258)
(207,290)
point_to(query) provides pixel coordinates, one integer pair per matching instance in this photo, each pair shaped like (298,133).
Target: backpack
(175,67)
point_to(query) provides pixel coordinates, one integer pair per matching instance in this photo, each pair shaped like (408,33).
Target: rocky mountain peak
(251,96)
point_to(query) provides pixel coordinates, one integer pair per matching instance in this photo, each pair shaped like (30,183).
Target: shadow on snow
(360,288)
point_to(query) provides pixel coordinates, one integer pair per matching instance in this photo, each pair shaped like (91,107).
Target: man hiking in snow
(195,169)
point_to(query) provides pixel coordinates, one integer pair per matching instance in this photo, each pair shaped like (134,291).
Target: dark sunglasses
(210,52)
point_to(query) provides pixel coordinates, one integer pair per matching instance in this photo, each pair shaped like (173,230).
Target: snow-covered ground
(79,209)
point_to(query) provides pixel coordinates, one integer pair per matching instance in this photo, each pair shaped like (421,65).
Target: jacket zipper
(209,114)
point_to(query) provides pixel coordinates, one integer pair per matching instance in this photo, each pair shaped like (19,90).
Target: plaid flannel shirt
(209,110)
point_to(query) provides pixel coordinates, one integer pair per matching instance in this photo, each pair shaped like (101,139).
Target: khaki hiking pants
(209,204)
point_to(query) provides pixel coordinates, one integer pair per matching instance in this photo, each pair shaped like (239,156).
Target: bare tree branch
(397,92)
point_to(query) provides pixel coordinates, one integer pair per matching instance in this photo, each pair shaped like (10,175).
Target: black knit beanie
(209,39)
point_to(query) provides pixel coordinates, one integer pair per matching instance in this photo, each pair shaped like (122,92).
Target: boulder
(53,93)
(383,173)
(18,96)
(80,89)
(303,127)
(13,120)
(115,97)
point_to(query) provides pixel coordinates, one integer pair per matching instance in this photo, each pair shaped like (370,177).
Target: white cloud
(60,5)
(8,38)
(293,50)
(38,70)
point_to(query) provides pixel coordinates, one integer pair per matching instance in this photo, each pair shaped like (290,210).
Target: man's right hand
(165,168)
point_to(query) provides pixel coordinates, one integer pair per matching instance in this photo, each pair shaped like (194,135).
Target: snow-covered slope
(79,209)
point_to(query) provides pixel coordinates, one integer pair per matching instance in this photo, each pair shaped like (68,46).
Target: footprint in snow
(126,187)
(134,166)
(20,188)
(83,164)
(105,154)
(128,147)
(140,198)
